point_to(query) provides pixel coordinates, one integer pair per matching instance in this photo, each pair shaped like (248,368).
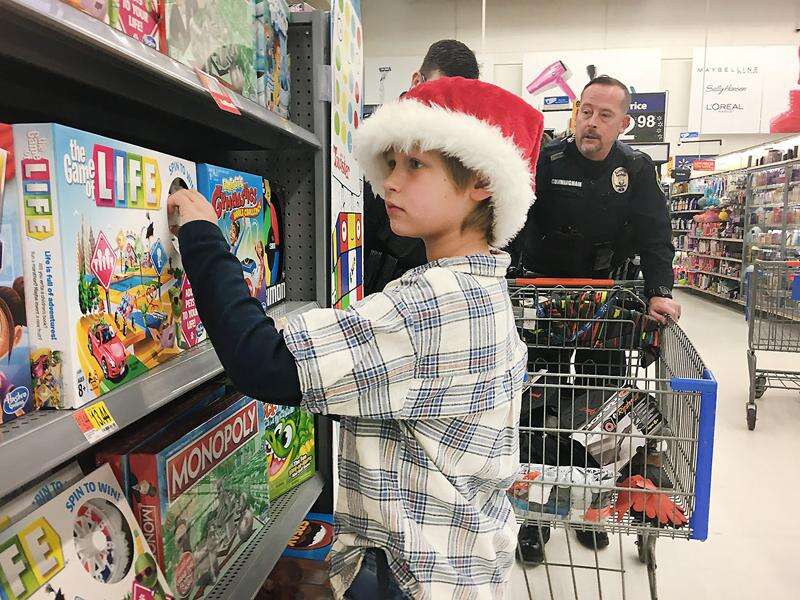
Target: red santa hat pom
(491,131)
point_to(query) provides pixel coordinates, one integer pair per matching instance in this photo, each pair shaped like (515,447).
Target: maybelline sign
(726,91)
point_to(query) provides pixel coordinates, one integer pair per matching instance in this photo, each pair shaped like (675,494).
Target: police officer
(598,203)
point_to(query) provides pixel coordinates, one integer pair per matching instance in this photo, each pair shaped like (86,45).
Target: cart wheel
(751,416)
(761,386)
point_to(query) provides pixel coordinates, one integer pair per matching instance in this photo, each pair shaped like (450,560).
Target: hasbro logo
(15,400)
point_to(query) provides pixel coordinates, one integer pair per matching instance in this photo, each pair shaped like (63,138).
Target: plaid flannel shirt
(427,377)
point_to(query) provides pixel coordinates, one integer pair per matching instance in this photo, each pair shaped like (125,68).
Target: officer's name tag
(567,182)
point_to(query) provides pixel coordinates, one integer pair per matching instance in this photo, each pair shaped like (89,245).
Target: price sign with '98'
(648,118)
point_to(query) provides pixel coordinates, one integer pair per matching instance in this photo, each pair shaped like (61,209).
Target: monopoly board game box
(289,444)
(116,450)
(16,392)
(248,219)
(84,543)
(201,492)
(215,36)
(106,296)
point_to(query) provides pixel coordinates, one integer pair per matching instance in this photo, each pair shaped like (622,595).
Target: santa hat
(491,131)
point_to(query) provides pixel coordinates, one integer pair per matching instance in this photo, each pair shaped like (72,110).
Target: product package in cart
(247,216)
(16,392)
(84,543)
(200,491)
(106,295)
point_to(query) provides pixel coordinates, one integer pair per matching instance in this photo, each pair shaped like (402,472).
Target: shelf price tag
(96,422)
(225,101)
(647,113)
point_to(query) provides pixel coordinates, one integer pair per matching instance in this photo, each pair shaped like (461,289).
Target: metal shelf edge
(243,579)
(23,440)
(59,16)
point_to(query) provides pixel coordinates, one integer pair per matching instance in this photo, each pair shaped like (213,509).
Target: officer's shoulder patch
(556,156)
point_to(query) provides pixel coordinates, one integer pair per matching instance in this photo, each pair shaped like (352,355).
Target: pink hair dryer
(555,74)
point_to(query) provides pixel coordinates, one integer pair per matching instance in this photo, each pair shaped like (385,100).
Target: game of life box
(16,392)
(200,491)
(84,543)
(107,299)
(248,218)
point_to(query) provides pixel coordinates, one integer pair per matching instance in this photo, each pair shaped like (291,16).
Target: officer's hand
(661,308)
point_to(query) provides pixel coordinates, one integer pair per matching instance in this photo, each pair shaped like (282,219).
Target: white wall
(405,28)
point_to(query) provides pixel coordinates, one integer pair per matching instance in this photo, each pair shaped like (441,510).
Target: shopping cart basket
(616,429)
(773,315)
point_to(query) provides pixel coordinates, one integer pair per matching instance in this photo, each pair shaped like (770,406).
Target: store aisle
(754,534)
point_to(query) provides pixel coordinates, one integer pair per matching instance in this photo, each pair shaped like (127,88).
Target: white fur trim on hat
(481,147)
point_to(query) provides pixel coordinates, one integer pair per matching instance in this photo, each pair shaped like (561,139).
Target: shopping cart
(616,430)
(773,315)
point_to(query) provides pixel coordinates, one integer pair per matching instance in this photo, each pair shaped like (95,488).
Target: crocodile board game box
(106,297)
(289,444)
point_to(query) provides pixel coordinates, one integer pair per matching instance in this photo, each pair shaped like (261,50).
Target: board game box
(289,444)
(278,76)
(106,296)
(16,392)
(84,543)
(202,492)
(313,538)
(248,218)
(139,19)
(35,494)
(115,450)
(215,36)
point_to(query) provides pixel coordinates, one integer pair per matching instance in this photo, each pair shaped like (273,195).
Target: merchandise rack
(60,65)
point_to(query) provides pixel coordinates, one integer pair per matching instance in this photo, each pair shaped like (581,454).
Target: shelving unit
(773,213)
(702,250)
(60,65)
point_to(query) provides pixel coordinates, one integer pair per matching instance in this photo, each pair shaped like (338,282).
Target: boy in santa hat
(427,376)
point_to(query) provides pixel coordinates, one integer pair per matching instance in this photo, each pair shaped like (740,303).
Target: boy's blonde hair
(482,218)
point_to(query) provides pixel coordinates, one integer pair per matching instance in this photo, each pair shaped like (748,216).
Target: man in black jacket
(388,256)
(598,204)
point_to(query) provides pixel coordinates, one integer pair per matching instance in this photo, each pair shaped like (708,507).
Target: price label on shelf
(96,422)
(225,101)
(647,115)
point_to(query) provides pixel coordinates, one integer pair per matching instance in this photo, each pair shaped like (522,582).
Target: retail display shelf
(766,188)
(53,36)
(713,274)
(769,205)
(719,239)
(686,212)
(684,194)
(730,258)
(42,440)
(245,577)
(681,230)
(716,295)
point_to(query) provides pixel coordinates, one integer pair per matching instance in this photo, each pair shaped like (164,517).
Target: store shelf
(244,578)
(715,257)
(716,295)
(681,230)
(122,86)
(718,239)
(42,440)
(684,194)
(686,212)
(713,274)
(766,188)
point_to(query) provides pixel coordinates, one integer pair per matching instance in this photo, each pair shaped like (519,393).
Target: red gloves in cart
(651,505)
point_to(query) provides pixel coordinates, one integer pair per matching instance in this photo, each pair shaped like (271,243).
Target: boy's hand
(185,206)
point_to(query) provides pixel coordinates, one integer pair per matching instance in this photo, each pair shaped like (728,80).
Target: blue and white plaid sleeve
(427,349)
